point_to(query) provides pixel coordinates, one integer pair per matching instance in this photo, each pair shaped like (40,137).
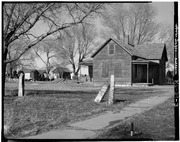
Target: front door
(139,73)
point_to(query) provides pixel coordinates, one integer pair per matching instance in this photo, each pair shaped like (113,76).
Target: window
(117,70)
(105,69)
(111,49)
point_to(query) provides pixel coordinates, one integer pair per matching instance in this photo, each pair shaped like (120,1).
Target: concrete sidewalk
(87,128)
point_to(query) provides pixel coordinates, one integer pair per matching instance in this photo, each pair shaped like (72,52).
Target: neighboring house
(27,74)
(43,75)
(129,64)
(61,72)
(31,74)
(35,75)
(88,62)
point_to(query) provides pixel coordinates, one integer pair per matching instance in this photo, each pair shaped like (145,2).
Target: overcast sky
(165,12)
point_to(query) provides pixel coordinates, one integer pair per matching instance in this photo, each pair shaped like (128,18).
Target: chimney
(129,42)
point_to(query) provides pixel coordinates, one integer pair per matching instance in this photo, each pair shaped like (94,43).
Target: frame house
(143,64)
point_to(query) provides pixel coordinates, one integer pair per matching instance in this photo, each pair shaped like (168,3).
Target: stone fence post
(21,85)
(111,90)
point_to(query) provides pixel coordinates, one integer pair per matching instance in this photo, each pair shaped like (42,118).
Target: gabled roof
(101,47)
(27,70)
(128,48)
(41,71)
(151,51)
(86,62)
(61,69)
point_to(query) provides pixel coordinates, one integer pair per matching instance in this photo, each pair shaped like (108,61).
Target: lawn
(48,106)
(156,124)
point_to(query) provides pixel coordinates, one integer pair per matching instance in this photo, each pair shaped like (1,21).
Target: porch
(145,72)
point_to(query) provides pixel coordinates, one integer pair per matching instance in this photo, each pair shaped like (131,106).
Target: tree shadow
(119,100)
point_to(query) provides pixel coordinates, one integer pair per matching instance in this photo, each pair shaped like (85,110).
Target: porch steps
(135,85)
(143,84)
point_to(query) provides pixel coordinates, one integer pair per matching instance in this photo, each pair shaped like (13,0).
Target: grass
(155,124)
(51,106)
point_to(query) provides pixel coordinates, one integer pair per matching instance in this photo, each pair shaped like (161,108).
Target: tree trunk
(21,85)
(5,52)
(11,70)
(74,69)
(3,78)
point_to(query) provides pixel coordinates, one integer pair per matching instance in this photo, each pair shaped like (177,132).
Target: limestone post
(111,91)
(21,85)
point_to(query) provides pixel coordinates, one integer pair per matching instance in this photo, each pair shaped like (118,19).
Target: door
(139,73)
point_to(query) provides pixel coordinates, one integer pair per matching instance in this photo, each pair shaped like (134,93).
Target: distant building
(43,75)
(27,74)
(61,72)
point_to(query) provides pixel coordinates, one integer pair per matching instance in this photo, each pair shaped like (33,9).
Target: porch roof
(141,61)
(87,62)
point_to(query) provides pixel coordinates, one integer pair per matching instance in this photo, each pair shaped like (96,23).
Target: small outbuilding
(27,74)
(34,74)
(61,72)
(43,76)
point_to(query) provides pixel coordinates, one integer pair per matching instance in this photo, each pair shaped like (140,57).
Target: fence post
(111,90)
(21,85)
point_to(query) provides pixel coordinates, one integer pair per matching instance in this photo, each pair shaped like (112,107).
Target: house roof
(86,62)
(140,60)
(41,71)
(145,51)
(128,48)
(27,70)
(151,51)
(61,69)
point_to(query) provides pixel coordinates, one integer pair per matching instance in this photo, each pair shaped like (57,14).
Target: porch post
(147,73)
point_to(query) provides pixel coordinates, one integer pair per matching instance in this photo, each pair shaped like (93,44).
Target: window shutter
(117,70)
(105,69)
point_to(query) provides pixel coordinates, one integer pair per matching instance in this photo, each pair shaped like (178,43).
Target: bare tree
(166,35)
(142,23)
(46,51)
(77,45)
(115,19)
(136,20)
(15,49)
(19,19)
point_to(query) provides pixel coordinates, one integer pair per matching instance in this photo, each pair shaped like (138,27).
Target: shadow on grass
(119,101)
(45,92)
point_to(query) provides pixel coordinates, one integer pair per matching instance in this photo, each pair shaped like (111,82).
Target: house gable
(105,64)
(110,40)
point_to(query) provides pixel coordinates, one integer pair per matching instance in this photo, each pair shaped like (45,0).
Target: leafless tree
(77,45)
(15,49)
(19,19)
(166,35)
(46,51)
(136,20)
(142,23)
(115,19)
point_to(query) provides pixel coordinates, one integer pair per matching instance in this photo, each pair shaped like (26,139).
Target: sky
(165,14)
